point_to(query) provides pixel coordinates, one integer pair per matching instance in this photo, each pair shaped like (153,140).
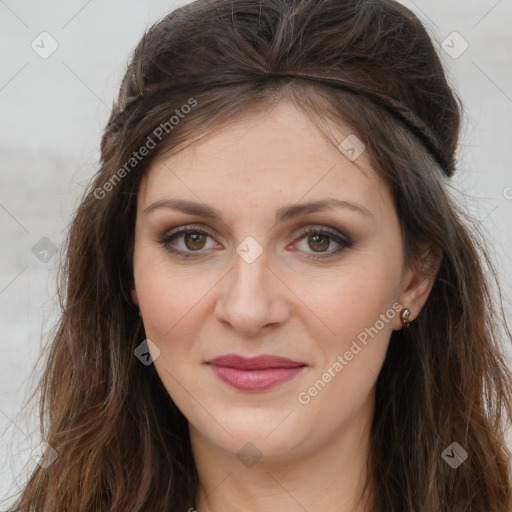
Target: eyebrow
(284,213)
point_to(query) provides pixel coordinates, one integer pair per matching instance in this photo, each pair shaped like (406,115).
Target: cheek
(358,305)
(353,298)
(158,303)
(171,306)
(361,313)
(166,294)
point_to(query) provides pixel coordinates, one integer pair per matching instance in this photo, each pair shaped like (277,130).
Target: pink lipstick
(255,373)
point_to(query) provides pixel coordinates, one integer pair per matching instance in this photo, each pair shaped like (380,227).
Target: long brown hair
(122,443)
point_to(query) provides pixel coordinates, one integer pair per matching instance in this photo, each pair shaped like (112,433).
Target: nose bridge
(250,272)
(250,298)
(248,283)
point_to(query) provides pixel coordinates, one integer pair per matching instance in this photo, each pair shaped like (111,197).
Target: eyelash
(343,240)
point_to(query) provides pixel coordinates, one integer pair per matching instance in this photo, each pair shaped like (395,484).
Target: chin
(271,439)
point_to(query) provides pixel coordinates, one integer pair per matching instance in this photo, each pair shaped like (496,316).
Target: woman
(271,301)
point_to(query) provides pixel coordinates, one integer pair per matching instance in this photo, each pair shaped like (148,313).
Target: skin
(312,455)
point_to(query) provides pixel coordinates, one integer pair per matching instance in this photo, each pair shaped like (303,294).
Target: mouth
(255,373)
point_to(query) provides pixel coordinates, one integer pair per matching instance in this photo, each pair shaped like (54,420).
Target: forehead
(265,158)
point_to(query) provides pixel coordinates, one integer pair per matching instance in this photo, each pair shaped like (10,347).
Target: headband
(394,107)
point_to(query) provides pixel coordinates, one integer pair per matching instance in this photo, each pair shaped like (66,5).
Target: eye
(319,239)
(187,240)
(193,240)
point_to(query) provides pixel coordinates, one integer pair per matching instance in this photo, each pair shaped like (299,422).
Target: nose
(252,298)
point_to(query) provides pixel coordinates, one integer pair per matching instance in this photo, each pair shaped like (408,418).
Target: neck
(331,477)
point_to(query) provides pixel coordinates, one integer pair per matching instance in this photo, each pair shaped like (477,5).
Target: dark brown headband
(394,107)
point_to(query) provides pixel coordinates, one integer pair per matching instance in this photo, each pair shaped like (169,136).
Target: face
(232,257)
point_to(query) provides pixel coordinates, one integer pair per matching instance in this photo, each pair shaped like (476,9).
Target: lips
(255,373)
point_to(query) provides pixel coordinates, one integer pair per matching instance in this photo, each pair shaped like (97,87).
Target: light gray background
(53,111)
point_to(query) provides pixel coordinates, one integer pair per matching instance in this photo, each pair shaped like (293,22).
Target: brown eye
(319,239)
(318,243)
(186,242)
(194,240)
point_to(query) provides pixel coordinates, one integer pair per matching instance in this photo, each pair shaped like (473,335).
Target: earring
(140,314)
(404,316)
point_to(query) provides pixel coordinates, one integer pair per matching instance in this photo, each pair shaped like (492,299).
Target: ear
(417,282)
(135,297)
